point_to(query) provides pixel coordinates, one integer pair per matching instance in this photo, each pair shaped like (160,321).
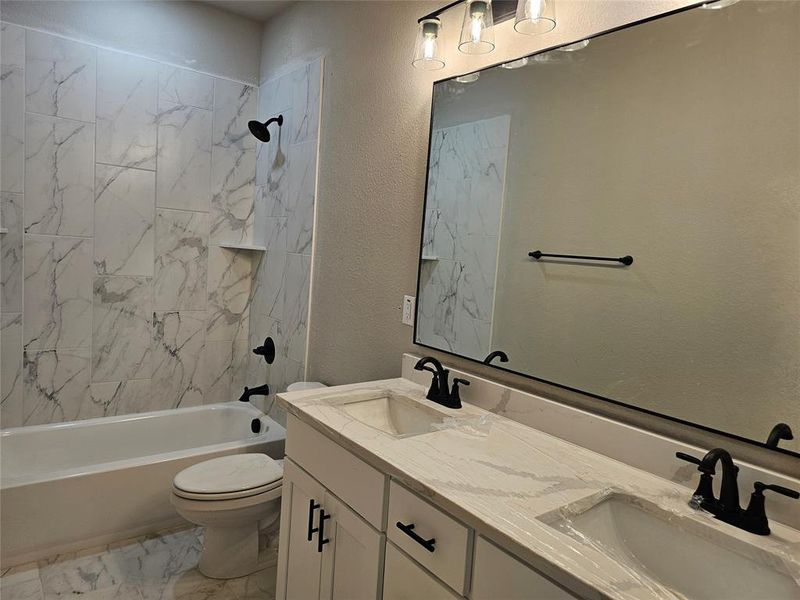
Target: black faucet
(726,508)
(261,390)
(781,431)
(496,354)
(439,391)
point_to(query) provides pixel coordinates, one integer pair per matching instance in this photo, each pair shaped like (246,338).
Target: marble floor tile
(59,176)
(184,157)
(181,263)
(127,109)
(10,370)
(122,328)
(12,128)
(124,213)
(60,77)
(58,292)
(11,252)
(178,352)
(21,583)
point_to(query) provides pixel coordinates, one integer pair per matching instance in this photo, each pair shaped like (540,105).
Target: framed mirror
(621,217)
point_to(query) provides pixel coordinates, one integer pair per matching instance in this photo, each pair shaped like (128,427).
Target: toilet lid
(234,473)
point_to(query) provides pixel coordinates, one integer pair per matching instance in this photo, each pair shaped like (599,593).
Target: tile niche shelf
(245,247)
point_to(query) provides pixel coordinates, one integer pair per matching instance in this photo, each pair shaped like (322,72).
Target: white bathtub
(72,485)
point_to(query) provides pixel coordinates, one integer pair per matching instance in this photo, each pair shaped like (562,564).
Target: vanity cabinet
(334,512)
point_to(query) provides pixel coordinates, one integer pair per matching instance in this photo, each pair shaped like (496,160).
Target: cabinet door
(352,560)
(299,561)
(403,579)
(497,574)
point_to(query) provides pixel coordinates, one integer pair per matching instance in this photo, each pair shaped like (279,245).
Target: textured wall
(127,176)
(189,34)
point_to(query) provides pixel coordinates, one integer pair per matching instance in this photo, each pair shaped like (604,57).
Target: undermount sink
(683,555)
(394,414)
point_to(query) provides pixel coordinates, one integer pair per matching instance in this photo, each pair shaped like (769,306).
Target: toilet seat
(229,478)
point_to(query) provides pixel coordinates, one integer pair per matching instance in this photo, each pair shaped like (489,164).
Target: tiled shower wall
(120,178)
(286,181)
(464,205)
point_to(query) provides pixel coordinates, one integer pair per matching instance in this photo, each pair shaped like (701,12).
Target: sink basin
(682,554)
(394,414)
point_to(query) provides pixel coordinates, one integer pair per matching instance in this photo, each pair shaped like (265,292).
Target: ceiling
(259,10)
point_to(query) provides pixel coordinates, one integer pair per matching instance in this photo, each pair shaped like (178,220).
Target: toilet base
(230,552)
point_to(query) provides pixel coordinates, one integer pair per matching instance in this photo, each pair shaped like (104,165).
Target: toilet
(231,497)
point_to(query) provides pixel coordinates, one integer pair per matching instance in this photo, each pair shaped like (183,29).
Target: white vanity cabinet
(334,512)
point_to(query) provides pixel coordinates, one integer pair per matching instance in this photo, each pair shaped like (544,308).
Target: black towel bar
(625,260)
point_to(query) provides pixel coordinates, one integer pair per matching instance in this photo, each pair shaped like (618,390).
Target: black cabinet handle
(312,506)
(409,531)
(321,539)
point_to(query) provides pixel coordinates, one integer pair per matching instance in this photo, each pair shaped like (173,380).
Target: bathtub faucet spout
(261,390)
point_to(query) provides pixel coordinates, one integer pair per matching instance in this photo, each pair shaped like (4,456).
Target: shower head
(259,129)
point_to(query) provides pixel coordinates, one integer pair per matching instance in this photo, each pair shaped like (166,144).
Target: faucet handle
(455,395)
(778,489)
(688,458)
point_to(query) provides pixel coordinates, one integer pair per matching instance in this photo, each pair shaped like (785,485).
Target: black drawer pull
(312,506)
(321,539)
(409,531)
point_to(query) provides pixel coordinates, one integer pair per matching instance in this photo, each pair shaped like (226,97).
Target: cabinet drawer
(351,479)
(499,575)
(446,557)
(405,580)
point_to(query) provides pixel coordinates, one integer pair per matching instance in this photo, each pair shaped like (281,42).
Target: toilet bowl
(230,497)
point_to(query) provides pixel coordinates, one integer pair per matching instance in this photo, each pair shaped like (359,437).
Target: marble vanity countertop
(501,477)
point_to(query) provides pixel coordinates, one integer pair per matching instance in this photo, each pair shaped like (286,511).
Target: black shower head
(259,129)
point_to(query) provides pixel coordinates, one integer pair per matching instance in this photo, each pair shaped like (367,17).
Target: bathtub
(67,486)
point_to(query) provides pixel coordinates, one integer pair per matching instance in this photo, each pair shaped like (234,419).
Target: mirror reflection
(660,165)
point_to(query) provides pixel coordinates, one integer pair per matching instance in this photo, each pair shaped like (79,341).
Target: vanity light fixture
(535,17)
(477,32)
(428,55)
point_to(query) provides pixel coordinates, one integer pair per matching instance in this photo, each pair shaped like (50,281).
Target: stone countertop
(505,479)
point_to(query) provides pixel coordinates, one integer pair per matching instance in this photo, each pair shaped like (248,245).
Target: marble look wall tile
(229,277)
(60,77)
(272,170)
(59,176)
(302,189)
(10,370)
(123,397)
(217,368)
(124,211)
(121,332)
(306,89)
(184,157)
(12,128)
(182,86)
(275,233)
(181,260)
(233,163)
(296,294)
(178,354)
(275,96)
(11,252)
(268,295)
(58,292)
(127,109)
(12,45)
(56,386)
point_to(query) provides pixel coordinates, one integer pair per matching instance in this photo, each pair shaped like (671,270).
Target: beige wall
(373,150)
(187,34)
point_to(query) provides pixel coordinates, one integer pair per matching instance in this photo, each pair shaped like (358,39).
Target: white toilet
(230,496)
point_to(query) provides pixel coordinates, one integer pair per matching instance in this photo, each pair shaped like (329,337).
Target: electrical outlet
(408,310)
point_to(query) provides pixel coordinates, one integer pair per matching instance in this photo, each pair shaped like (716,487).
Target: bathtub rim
(273,432)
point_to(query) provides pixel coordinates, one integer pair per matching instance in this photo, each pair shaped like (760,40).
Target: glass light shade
(575,47)
(516,64)
(477,33)
(428,53)
(468,78)
(535,16)
(718,4)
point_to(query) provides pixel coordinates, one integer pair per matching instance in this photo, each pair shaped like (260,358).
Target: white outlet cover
(409,302)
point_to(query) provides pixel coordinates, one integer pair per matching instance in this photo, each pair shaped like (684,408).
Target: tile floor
(154,567)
